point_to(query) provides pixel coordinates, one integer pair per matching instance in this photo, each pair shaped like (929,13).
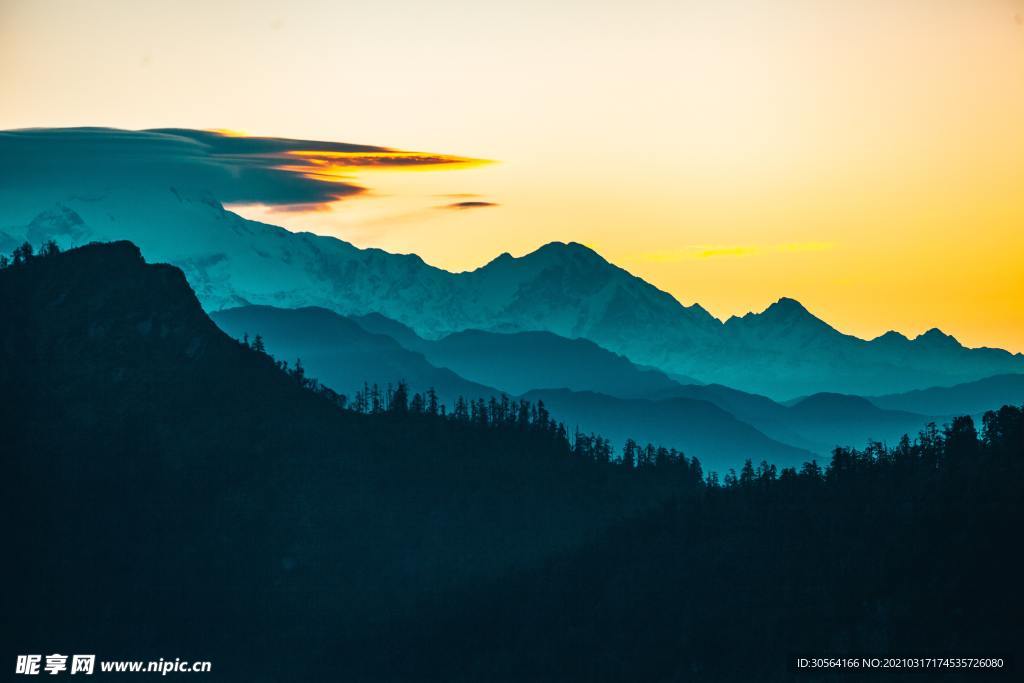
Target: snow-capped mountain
(567,289)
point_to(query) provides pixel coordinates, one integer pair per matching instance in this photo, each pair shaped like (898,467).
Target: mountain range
(565,289)
(584,385)
(521,361)
(343,355)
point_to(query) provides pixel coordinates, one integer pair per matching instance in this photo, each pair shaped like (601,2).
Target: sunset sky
(864,157)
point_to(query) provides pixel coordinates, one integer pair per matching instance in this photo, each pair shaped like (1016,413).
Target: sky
(865,158)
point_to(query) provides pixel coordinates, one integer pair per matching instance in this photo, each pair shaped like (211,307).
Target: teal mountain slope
(840,420)
(565,289)
(971,398)
(342,354)
(698,428)
(482,364)
(520,361)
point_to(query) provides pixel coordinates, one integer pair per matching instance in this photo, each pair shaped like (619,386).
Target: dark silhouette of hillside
(911,549)
(176,492)
(170,491)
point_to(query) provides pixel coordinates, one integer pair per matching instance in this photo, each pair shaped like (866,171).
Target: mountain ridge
(563,288)
(577,373)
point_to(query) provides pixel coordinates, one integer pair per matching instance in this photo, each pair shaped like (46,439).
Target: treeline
(886,551)
(24,253)
(953,443)
(498,412)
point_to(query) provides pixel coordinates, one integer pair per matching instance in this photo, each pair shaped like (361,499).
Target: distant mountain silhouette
(790,351)
(381,324)
(565,289)
(838,419)
(971,398)
(523,361)
(761,412)
(698,428)
(784,321)
(487,363)
(341,354)
(520,361)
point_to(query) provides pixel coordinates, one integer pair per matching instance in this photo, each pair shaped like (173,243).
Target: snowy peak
(58,223)
(571,290)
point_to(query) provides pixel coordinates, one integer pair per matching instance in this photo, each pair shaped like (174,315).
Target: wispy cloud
(235,168)
(705,251)
(462,206)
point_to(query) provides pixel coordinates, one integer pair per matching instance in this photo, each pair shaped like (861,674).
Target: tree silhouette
(399,404)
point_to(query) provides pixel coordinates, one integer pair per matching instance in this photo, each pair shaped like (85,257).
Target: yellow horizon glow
(865,158)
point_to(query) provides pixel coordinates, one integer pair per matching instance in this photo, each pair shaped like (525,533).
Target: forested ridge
(180,493)
(910,550)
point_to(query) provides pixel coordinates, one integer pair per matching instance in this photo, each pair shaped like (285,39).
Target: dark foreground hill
(908,551)
(169,492)
(174,493)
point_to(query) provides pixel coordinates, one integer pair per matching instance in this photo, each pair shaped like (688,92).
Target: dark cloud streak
(279,172)
(461,206)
